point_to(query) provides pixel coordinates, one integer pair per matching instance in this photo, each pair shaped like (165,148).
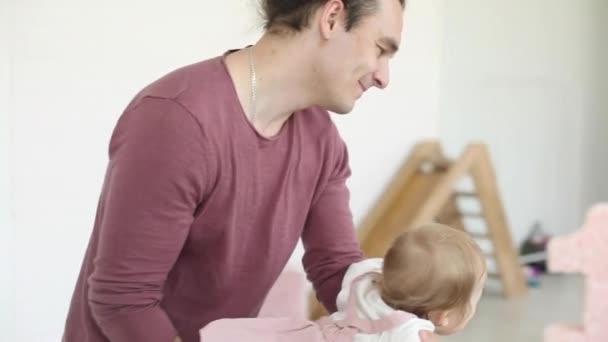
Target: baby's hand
(427,336)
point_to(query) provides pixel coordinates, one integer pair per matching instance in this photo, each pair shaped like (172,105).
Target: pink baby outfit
(297,330)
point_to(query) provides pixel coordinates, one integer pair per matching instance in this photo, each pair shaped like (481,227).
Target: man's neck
(284,81)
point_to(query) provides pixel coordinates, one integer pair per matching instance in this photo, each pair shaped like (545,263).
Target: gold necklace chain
(253,84)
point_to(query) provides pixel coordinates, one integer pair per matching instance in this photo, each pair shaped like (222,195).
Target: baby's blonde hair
(431,267)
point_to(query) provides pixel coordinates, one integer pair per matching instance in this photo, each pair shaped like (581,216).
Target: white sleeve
(360,268)
(410,331)
(355,270)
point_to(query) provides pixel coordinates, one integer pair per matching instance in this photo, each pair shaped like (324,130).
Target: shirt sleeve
(329,236)
(153,186)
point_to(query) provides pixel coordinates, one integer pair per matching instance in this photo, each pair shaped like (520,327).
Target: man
(217,169)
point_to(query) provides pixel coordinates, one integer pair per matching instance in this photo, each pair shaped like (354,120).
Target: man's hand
(427,336)
(177,339)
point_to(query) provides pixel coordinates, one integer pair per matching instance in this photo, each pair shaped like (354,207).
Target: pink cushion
(288,297)
(564,333)
(584,251)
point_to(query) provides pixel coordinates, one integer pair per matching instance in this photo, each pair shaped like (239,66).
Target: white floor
(558,299)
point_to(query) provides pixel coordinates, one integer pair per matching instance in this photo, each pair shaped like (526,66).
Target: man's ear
(439,318)
(333,14)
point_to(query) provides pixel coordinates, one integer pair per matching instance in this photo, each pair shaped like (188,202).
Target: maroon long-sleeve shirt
(198,214)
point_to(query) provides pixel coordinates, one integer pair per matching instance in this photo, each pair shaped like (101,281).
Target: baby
(431,279)
(433,272)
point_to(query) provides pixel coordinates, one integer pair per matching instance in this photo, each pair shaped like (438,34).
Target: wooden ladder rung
(494,275)
(480,236)
(472,215)
(468,194)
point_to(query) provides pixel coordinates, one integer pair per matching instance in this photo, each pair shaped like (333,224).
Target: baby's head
(435,272)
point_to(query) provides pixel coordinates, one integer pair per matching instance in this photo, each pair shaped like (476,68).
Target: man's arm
(153,186)
(329,237)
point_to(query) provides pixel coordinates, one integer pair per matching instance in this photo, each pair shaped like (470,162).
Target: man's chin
(343,108)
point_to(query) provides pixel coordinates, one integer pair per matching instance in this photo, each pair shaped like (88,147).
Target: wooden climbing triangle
(425,190)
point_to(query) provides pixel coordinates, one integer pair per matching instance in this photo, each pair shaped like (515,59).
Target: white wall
(385,124)
(596,125)
(7,265)
(77,64)
(515,75)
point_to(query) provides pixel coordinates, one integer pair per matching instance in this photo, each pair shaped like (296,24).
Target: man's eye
(381,51)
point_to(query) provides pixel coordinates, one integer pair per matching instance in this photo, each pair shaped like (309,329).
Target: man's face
(356,60)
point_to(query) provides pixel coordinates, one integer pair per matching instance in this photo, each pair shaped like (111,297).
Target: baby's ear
(439,318)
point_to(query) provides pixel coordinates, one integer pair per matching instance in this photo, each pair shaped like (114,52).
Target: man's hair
(431,267)
(295,15)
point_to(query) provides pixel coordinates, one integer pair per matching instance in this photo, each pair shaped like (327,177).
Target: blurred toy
(584,251)
(532,275)
(533,248)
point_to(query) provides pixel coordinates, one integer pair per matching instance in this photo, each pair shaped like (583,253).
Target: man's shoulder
(203,88)
(195,78)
